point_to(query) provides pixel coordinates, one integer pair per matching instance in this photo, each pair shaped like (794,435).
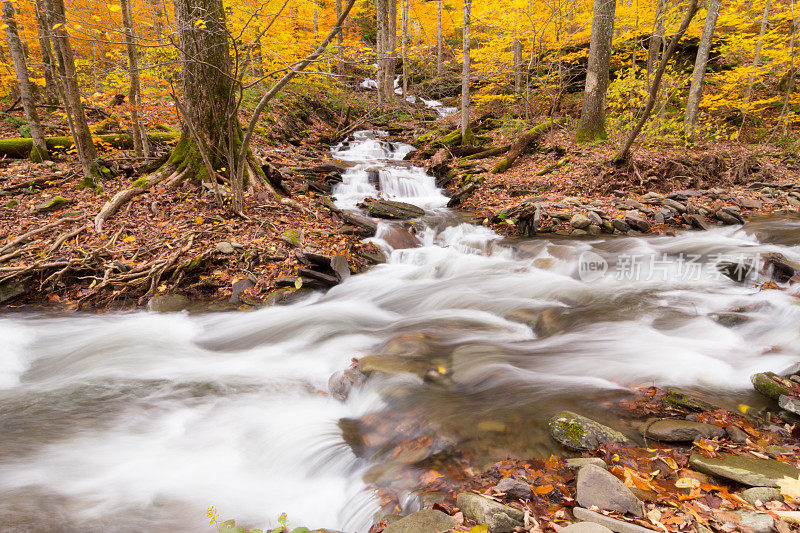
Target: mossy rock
(54,204)
(451,139)
(766,385)
(578,432)
(745,470)
(685,402)
(294,237)
(394,210)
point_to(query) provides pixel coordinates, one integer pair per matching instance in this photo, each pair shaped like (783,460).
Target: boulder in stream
(580,433)
(682,431)
(745,470)
(424,521)
(500,518)
(392,210)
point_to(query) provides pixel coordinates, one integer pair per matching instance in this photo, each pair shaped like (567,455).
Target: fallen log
(521,145)
(21,148)
(491,152)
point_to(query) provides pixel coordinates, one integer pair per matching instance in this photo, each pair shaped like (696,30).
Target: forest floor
(177,240)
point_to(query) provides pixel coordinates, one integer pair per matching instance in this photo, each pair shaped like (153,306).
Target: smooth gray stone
(585,527)
(746,470)
(500,518)
(682,431)
(617,526)
(762,494)
(425,521)
(598,487)
(576,463)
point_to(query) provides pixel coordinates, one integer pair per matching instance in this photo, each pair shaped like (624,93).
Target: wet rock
(168,303)
(579,233)
(390,364)
(607,226)
(580,433)
(761,494)
(599,487)
(699,221)
(618,526)
(514,488)
(376,258)
(585,527)
(783,269)
(500,518)
(746,470)
(637,222)
(293,237)
(54,204)
(424,521)
(393,210)
(682,431)
(342,382)
(225,248)
(576,463)
(621,226)
(789,403)
(685,402)
(363,225)
(548,323)
(238,288)
(594,229)
(736,435)
(766,385)
(579,221)
(737,272)
(560,215)
(756,522)
(749,203)
(729,320)
(727,217)
(12,289)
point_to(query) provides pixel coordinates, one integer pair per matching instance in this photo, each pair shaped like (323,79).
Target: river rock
(767,386)
(745,470)
(599,487)
(294,237)
(728,218)
(225,248)
(500,518)
(12,289)
(580,433)
(621,226)
(736,435)
(674,204)
(390,364)
(761,494)
(425,521)
(168,303)
(618,526)
(579,221)
(682,431)
(393,210)
(594,217)
(756,522)
(54,204)
(341,383)
(637,222)
(790,403)
(699,221)
(585,527)
(734,271)
(514,488)
(576,463)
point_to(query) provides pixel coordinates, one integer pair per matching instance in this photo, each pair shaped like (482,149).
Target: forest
(400,266)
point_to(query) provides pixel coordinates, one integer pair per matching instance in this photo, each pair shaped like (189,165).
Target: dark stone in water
(393,210)
(737,272)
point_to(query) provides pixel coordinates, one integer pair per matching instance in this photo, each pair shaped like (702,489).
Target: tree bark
(656,38)
(695,91)
(465,70)
(39,151)
(756,60)
(404,44)
(391,43)
(134,91)
(56,23)
(625,152)
(46,51)
(381,8)
(517,66)
(593,112)
(439,38)
(339,40)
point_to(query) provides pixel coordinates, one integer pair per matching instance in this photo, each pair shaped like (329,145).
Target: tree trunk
(624,153)
(695,91)
(792,74)
(404,44)
(380,45)
(134,92)
(56,23)
(517,66)
(439,38)
(465,71)
(339,41)
(39,151)
(756,59)
(48,62)
(391,51)
(593,111)
(656,38)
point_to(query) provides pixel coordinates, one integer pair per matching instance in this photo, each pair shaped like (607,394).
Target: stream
(140,421)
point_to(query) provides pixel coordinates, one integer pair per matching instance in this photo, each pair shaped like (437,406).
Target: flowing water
(139,421)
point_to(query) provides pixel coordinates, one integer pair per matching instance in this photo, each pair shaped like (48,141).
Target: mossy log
(491,152)
(521,145)
(21,148)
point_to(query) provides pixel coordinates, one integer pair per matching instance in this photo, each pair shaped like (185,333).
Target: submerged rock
(514,488)
(580,433)
(745,470)
(500,518)
(682,431)
(599,487)
(424,521)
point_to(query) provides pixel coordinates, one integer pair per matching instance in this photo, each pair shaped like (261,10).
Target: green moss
(141,183)
(37,156)
(11,203)
(468,138)
(87,183)
(766,385)
(501,166)
(586,135)
(50,205)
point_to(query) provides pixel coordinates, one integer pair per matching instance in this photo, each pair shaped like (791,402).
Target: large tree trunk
(381,9)
(756,59)
(46,51)
(695,91)
(134,92)
(404,44)
(339,41)
(391,47)
(593,112)
(465,71)
(39,150)
(56,23)
(517,66)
